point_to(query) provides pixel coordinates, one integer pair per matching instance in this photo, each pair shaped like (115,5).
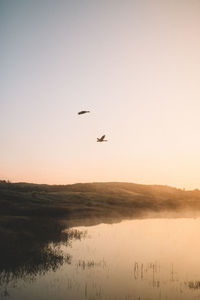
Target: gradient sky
(135,64)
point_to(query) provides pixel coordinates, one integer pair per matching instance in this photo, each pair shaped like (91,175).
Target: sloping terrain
(33,216)
(93,200)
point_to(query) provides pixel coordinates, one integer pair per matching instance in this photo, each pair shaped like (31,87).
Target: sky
(135,64)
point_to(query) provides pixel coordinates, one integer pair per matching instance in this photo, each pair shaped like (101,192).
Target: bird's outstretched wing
(103,137)
(83,112)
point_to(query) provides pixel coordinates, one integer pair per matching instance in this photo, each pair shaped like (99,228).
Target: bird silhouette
(102,139)
(83,112)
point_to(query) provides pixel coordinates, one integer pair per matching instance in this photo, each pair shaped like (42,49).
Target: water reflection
(139,259)
(36,251)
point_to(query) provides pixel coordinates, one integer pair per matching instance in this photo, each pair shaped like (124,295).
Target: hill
(33,217)
(93,200)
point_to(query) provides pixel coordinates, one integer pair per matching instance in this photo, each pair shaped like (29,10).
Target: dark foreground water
(140,259)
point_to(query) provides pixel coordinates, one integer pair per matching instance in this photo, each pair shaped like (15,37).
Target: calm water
(140,259)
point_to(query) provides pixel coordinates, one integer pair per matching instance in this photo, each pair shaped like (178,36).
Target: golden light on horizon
(135,66)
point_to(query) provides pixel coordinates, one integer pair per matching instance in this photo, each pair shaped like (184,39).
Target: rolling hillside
(93,199)
(32,216)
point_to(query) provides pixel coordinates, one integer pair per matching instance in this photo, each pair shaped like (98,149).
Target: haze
(134,64)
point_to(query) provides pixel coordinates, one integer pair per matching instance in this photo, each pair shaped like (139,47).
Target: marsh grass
(33,217)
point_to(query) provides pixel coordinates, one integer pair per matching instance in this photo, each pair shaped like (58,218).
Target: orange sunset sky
(134,64)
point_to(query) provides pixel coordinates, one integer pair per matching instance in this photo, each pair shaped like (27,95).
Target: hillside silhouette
(35,216)
(93,200)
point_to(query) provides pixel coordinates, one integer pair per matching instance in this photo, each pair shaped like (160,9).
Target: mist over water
(145,259)
(65,199)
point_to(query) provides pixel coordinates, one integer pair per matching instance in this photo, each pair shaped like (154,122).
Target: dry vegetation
(93,200)
(32,216)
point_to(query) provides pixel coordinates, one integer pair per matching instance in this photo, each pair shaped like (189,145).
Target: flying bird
(83,112)
(102,139)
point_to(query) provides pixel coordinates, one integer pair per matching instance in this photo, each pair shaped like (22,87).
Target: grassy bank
(33,216)
(93,200)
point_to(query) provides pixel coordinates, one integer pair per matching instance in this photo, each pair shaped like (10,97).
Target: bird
(83,112)
(102,139)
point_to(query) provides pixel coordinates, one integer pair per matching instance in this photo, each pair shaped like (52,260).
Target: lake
(145,259)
